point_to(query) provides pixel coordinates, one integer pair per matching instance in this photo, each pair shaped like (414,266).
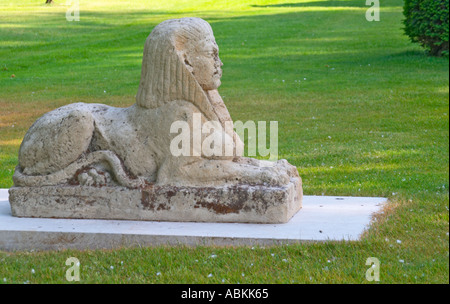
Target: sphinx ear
(187,64)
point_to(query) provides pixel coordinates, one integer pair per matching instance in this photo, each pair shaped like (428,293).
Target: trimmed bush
(427,23)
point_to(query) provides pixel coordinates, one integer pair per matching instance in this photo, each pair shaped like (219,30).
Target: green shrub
(427,23)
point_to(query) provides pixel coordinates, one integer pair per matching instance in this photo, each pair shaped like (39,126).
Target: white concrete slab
(322,218)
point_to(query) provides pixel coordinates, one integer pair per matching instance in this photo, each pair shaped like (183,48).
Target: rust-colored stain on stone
(240,203)
(205,197)
(238,196)
(147,200)
(218,208)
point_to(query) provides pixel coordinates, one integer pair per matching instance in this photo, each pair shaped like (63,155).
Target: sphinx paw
(94,178)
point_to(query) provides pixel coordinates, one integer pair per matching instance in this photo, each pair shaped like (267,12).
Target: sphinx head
(201,57)
(181,61)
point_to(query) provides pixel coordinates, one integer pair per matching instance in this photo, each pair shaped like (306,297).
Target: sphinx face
(202,60)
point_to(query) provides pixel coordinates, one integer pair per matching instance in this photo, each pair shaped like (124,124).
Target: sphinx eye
(211,52)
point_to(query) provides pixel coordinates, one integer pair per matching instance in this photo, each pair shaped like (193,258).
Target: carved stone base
(241,203)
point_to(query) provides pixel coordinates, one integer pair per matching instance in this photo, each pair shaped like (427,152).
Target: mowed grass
(361,112)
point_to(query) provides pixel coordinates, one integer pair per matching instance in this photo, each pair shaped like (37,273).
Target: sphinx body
(128,147)
(131,145)
(95,145)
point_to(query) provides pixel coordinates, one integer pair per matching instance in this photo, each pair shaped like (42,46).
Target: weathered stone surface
(236,203)
(97,161)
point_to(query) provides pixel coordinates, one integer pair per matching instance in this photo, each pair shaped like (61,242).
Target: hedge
(427,22)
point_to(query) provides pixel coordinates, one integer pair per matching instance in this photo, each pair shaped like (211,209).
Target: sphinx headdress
(164,75)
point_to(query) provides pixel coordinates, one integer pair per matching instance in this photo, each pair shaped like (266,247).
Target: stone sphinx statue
(96,161)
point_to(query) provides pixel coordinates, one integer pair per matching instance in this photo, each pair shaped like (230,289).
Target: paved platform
(322,218)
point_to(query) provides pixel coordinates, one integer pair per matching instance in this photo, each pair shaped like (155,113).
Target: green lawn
(361,112)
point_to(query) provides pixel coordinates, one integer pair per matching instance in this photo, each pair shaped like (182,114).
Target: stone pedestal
(240,203)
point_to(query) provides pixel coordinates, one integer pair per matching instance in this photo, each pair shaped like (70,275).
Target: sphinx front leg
(209,172)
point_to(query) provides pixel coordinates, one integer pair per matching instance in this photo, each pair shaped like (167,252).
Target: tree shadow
(122,43)
(410,54)
(331,3)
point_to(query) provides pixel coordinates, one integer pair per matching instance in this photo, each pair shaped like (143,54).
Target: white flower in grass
(158,273)
(399,242)
(210,275)
(32,271)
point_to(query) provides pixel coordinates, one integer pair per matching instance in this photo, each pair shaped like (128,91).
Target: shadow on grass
(335,3)
(410,54)
(110,45)
(48,27)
